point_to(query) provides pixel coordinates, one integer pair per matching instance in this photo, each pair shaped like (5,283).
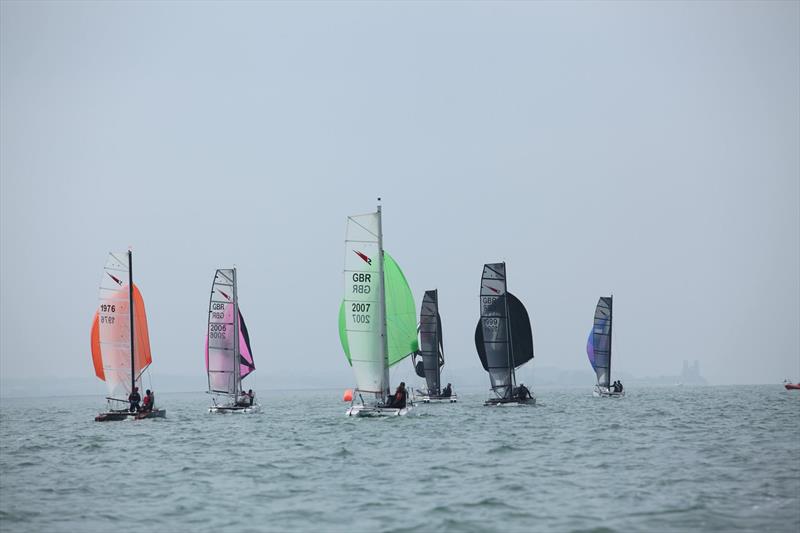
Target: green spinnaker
(401,315)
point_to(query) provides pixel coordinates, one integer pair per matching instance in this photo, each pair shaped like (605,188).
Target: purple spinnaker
(590,348)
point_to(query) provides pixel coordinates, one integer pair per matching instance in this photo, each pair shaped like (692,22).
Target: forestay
(111,330)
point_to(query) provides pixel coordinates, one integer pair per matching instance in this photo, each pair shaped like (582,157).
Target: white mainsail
(364,302)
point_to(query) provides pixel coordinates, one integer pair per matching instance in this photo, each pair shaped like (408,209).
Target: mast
(510,345)
(610,326)
(436,344)
(130,312)
(237,370)
(386,390)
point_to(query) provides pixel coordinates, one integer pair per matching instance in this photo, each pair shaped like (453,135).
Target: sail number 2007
(358,309)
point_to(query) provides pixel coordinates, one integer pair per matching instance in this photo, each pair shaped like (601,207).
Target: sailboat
(598,347)
(431,351)
(229,358)
(377,318)
(503,338)
(119,339)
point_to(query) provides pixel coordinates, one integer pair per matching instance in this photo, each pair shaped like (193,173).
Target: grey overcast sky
(651,150)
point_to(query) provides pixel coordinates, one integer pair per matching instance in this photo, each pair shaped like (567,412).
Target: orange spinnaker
(143,357)
(97,356)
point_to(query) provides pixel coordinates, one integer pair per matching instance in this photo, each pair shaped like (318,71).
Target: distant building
(690,375)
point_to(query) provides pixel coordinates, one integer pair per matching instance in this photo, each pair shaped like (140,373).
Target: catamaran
(598,347)
(229,358)
(503,338)
(119,339)
(377,318)
(431,352)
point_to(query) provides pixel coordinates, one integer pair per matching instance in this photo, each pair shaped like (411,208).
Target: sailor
(619,384)
(244,400)
(134,398)
(448,391)
(398,401)
(147,403)
(523,393)
(251,395)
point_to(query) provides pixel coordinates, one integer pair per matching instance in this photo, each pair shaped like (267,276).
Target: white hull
(602,392)
(428,399)
(374,411)
(234,409)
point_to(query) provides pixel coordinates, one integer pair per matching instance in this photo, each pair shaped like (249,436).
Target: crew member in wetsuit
(147,403)
(523,393)
(134,398)
(398,401)
(251,395)
(448,391)
(619,384)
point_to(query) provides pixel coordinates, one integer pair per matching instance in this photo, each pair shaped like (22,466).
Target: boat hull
(602,392)
(436,399)
(374,411)
(117,416)
(235,409)
(506,402)
(792,386)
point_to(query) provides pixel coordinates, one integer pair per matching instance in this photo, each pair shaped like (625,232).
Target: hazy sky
(651,150)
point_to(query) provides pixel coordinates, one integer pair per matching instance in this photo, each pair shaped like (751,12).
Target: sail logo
(492,289)
(366,259)
(225,295)
(116,279)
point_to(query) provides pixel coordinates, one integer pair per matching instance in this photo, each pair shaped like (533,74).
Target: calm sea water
(661,459)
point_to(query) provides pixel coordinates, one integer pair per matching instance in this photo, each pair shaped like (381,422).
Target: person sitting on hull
(447,391)
(243,401)
(134,397)
(251,396)
(619,386)
(523,393)
(398,401)
(147,403)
